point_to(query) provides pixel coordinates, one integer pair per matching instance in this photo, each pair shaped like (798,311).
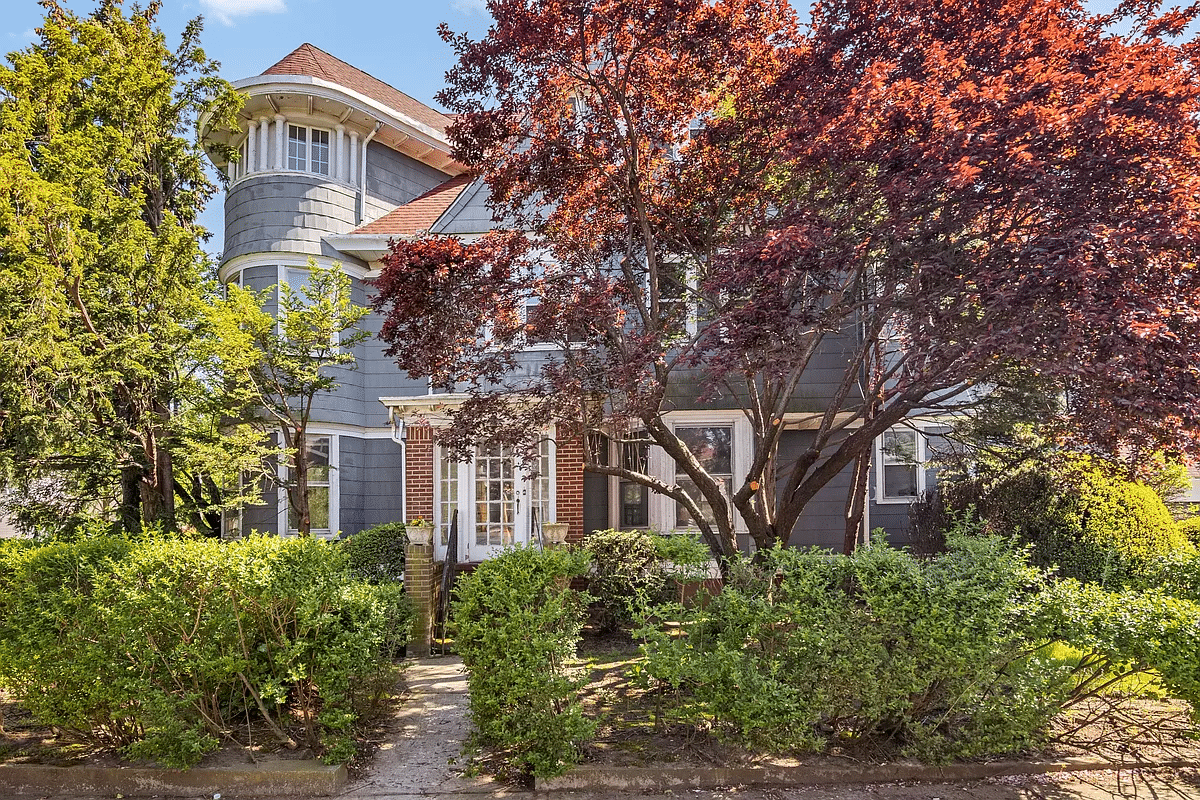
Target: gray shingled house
(334,163)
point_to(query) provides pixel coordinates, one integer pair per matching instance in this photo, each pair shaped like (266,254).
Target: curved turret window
(308,149)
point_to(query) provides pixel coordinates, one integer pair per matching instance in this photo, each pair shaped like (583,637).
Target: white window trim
(334,489)
(691,286)
(662,508)
(466,494)
(308,148)
(922,459)
(533,347)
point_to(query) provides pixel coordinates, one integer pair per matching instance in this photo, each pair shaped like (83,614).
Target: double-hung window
(634,498)
(719,441)
(712,446)
(238,169)
(908,462)
(308,149)
(298,280)
(676,285)
(319,456)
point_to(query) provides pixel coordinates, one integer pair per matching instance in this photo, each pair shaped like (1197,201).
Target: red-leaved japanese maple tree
(699,202)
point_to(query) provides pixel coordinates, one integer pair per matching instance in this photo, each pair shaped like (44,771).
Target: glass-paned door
(499,516)
(495,498)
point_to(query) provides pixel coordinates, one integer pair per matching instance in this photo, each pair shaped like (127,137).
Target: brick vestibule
(568,481)
(418,472)
(568,478)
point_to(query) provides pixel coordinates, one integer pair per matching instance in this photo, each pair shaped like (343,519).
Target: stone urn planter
(419,533)
(555,533)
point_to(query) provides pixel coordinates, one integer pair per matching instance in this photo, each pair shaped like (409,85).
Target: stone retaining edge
(650,778)
(286,778)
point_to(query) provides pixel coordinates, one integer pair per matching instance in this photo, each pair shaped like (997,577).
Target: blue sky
(395,41)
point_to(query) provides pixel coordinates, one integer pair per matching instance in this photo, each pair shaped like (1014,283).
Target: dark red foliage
(943,192)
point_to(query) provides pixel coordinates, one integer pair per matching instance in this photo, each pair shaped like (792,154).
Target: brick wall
(418,472)
(420,575)
(569,487)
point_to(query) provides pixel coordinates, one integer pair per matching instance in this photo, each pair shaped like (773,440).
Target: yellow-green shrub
(1077,514)
(1190,527)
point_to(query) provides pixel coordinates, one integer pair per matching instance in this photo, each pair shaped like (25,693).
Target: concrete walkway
(432,726)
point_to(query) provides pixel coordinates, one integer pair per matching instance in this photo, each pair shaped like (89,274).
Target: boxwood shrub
(516,624)
(632,572)
(1077,514)
(805,648)
(376,554)
(162,646)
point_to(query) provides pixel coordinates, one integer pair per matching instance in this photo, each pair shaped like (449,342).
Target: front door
(501,504)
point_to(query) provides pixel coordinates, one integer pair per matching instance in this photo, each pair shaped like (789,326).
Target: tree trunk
(158,485)
(130,513)
(856,503)
(298,485)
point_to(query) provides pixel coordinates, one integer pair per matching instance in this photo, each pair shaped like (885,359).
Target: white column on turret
(280,138)
(339,171)
(251,149)
(354,157)
(264,144)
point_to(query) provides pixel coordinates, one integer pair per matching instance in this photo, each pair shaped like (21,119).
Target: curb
(652,778)
(288,778)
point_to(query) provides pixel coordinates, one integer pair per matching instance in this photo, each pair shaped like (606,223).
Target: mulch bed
(631,733)
(25,741)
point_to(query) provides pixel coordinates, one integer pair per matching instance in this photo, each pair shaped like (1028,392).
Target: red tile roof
(419,214)
(316,63)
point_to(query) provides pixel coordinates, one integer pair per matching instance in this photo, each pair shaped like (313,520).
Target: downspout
(400,437)
(362,174)
(866,523)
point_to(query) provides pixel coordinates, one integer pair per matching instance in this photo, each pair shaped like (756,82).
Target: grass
(1095,675)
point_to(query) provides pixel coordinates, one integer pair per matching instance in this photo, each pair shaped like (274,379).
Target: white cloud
(470,6)
(226,10)
(27,36)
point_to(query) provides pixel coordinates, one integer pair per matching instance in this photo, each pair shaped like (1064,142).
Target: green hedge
(804,649)
(516,625)
(376,555)
(1130,631)
(1078,516)
(634,571)
(158,647)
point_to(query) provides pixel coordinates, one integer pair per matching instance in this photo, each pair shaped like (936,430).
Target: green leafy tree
(298,351)
(102,273)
